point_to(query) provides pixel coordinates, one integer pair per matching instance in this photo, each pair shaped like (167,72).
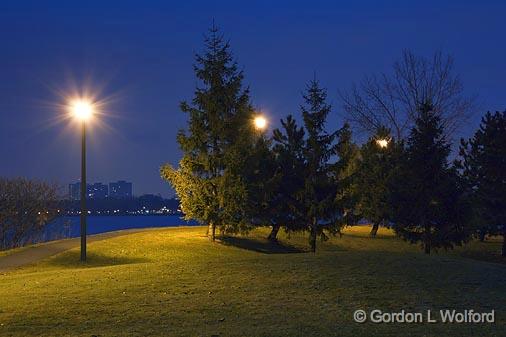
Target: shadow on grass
(366,236)
(260,246)
(71,259)
(494,257)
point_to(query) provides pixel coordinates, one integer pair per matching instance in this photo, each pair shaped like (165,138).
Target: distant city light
(260,122)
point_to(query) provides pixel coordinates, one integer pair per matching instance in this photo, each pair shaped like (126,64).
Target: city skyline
(119,189)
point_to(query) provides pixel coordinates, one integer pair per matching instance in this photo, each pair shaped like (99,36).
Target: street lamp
(82,110)
(383,143)
(260,122)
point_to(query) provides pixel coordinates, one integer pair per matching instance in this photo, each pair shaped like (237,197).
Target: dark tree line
(26,207)
(483,168)
(313,178)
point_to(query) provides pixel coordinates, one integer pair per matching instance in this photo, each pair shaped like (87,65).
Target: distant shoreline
(68,226)
(123,214)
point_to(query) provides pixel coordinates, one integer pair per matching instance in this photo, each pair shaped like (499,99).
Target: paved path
(35,253)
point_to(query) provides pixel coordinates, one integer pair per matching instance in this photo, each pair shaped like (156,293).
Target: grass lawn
(174,282)
(15,250)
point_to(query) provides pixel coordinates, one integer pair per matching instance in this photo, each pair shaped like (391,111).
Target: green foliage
(262,182)
(317,198)
(483,166)
(290,172)
(195,203)
(376,169)
(314,172)
(345,175)
(217,143)
(426,198)
(234,178)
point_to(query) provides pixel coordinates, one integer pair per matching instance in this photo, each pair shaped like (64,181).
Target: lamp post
(82,111)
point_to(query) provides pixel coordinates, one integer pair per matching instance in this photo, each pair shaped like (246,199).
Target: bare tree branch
(26,207)
(393,100)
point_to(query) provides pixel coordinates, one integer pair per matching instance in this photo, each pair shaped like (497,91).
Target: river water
(69,226)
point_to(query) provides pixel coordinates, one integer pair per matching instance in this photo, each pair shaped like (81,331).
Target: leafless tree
(393,100)
(26,207)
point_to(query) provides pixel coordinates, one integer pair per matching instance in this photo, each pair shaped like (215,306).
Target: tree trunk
(504,244)
(312,237)
(312,240)
(211,231)
(427,238)
(482,235)
(374,229)
(273,236)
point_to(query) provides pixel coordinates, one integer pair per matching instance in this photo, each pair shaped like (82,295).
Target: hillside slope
(174,282)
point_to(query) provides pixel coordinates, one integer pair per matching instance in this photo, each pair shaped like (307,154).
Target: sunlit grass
(16,250)
(174,282)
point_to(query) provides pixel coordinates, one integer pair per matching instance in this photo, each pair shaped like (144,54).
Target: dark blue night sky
(140,54)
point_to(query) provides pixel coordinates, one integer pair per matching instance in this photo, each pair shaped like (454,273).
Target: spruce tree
(484,171)
(289,178)
(426,197)
(345,171)
(217,141)
(319,192)
(262,179)
(378,159)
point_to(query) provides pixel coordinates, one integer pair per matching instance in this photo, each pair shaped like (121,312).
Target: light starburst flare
(81,109)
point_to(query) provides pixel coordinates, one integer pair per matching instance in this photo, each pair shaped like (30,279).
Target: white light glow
(260,122)
(383,143)
(81,109)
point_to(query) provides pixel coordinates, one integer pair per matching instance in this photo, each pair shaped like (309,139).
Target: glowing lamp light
(260,122)
(81,109)
(383,143)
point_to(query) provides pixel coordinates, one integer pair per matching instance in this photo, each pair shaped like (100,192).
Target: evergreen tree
(345,171)
(378,159)
(319,192)
(217,142)
(289,178)
(484,170)
(262,179)
(426,197)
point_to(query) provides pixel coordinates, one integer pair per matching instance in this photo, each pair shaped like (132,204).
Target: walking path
(35,253)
